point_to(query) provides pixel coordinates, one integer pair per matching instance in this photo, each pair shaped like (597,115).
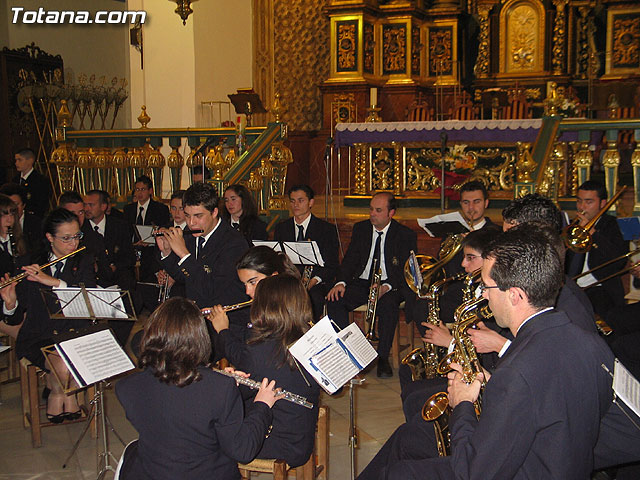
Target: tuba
(421,271)
(372,302)
(436,408)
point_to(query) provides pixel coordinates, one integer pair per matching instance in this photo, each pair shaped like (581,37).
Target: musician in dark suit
(206,262)
(608,244)
(38,186)
(240,210)
(535,398)
(30,224)
(63,234)
(380,238)
(306,226)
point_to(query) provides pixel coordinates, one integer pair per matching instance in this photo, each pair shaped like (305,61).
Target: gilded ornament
(347,45)
(192,159)
(525,165)
(440,51)
(382,171)
(481,68)
(143,118)
(611,157)
(394,49)
(559,33)
(175,159)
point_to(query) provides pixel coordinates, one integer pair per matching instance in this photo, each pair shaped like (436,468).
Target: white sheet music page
(445,217)
(267,243)
(358,345)
(303,253)
(145,232)
(106,303)
(95,357)
(626,387)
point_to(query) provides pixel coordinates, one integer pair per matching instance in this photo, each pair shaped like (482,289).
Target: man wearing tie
(206,262)
(306,226)
(36,185)
(379,238)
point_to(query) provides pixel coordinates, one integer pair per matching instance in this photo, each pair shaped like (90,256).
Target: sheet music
(358,345)
(304,253)
(106,303)
(145,232)
(265,243)
(4,348)
(445,217)
(94,357)
(626,387)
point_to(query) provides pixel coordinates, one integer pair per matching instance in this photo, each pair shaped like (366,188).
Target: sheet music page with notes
(106,303)
(304,253)
(626,387)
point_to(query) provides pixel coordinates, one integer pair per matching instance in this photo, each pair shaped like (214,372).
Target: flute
(227,308)
(252,384)
(186,231)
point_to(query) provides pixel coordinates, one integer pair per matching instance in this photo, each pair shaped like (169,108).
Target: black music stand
(247,102)
(80,303)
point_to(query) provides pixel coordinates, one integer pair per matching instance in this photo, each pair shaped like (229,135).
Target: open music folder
(333,358)
(444,224)
(300,253)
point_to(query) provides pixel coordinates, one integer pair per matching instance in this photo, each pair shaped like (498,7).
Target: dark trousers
(414,394)
(317,293)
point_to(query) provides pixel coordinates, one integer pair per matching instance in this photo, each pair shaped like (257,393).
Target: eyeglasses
(484,287)
(141,189)
(70,238)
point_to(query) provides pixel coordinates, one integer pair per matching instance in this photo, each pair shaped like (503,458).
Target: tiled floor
(378,413)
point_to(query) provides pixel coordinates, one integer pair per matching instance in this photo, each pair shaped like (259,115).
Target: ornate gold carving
(279,158)
(481,68)
(373,115)
(382,171)
(440,51)
(626,41)
(369,48)
(347,45)
(394,49)
(611,157)
(344,108)
(143,118)
(416,49)
(526,165)
(361,161)
(559,34)
(554,100)
(277,108)
(420,176)
(397,167)
(522,24)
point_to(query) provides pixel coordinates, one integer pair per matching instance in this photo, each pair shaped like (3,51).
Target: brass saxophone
(423,361)
(306,275)
(372,302)
(436,408)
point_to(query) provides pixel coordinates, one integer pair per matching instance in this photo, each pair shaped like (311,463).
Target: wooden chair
(420,111)
(11,363)
(31,407)
(316,467)
(518,108)
(464,109)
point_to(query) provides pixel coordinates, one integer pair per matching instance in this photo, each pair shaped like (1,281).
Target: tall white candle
(373,96)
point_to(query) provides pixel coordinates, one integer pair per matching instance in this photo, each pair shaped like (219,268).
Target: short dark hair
(203,194)
(267,261)
(302,187)
(479,240)
(177,194)
(525,259)
(592,185)
(392,203)
(27,153)
(474,186)
(146,180)
(103,197)
(14,189)
(175,342)
(533,208)
(70,197)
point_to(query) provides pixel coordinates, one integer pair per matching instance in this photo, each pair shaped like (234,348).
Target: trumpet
(577,238)
(226,308)
(186,231)
(24,275)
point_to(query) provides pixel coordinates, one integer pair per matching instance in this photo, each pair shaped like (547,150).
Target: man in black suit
(146,211)
(608,244)
(385,240)
(37,185)
(521,277)
(306,226)
(31,224)
(206,262)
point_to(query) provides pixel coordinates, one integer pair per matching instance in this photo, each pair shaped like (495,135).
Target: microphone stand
(443,150)
(327,186)
(201,149)
(353,435)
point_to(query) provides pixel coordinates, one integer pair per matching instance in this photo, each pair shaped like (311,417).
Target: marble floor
(378,413)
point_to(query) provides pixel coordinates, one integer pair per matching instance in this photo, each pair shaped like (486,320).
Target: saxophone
(423,361)
(437,408)
(306,275)
(372,303)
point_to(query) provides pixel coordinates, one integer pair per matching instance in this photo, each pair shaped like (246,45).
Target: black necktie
(97,229)
(576,264)
(300,237)
(200,245)
(376,255)
(57,270)
(5,246)
(140,220)
(22,181)
(235,225)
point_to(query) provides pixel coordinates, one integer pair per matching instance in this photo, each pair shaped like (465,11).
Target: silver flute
(291,397)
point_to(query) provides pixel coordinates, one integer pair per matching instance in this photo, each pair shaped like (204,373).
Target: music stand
(247,102)
(92,356)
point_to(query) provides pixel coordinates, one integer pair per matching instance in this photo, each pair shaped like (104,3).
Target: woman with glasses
(241,211)
(24,300)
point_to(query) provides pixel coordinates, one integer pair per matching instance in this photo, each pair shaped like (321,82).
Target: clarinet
(291,397)
(12,241)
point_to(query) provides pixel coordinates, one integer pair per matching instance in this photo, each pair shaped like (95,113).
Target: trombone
(609,262)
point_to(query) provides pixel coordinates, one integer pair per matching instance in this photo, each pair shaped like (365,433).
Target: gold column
(175,163)
(360,184)
(265,171)
(121,165)
(481,68)
(611,162)
(156,163)
(559,36)
(582,161)
(64,156)
(397,168)
(279,158)
(635,163)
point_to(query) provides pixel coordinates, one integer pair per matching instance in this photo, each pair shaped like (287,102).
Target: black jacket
(157,214)
(38,190)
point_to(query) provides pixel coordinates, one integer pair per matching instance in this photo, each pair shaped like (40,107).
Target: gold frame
(445,79)
(610,72)
(406,78)
(358,75)
(539,68)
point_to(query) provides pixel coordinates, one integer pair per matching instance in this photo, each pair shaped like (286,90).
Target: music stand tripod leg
(353,436)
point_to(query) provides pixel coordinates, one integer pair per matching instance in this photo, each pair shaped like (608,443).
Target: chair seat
(261,465)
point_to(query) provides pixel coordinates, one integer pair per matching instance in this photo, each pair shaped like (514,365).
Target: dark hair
(392,204)
(178,194)
(10,189)
(267,261)
(8,206)
(201,194)
(103,197)
(551,233)
(305,188)
(52,222)
(281,310)
(175,342)
(593,186)
(525,259)
(474,186)
(479,240)
(533,208)
(27,153)
(249,207)
(70,197)
(146,180)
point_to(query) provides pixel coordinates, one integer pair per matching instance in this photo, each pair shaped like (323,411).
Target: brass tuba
(421,271)
(436,408)
(577,238)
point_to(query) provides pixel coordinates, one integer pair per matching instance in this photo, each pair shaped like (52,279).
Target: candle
(373,96)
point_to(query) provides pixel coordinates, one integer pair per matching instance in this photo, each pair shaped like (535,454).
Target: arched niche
(522,24)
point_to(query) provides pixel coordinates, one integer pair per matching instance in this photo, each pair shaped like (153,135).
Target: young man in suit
(31,224)
(521,275)
(306,226)
(206,262)
(37,186)
(383,239)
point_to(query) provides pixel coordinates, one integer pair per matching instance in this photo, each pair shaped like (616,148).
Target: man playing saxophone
(542,405)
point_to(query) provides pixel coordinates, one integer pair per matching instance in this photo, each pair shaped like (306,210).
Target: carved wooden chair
(420,111)
(519,108)
(464,108)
